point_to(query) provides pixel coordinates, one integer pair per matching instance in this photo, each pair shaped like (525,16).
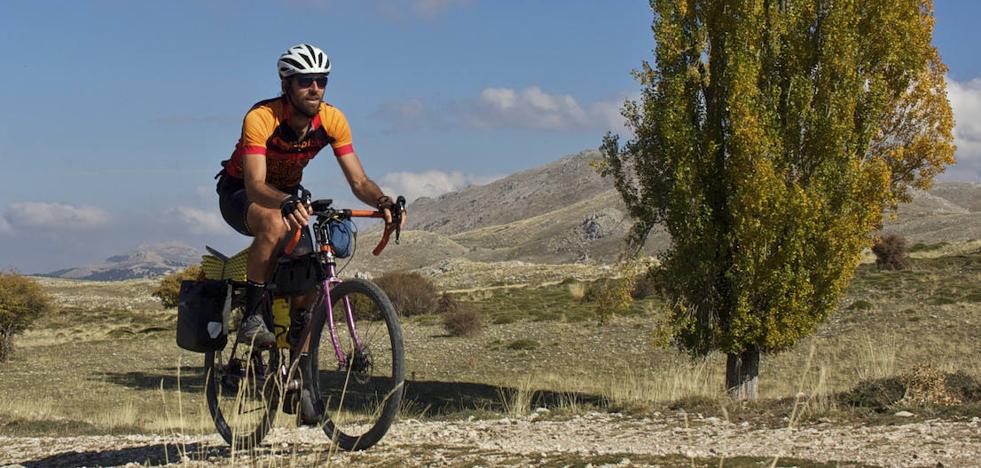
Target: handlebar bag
(342,237)
(201,307)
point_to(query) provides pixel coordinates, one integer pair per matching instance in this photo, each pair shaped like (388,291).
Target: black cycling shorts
(234,202)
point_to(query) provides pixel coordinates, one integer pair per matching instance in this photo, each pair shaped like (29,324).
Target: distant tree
(22,301)
(890,252)
(769,138)
(170,285)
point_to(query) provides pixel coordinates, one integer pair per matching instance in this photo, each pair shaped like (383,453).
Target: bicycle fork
(342,360)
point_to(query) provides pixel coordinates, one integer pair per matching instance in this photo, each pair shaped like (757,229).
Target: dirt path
(600,439)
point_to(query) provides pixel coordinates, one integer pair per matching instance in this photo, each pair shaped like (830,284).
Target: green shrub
(921,247)
(973,297)
(411,293)
(504,319)
(22,301)
(458,319)
(941,300)
(878,395)
(362,308)
(644,287)
(964,386)
(523,344)
(611,296)
(890,252)
(170,285)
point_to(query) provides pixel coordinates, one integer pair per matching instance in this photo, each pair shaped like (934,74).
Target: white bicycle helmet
(303,59)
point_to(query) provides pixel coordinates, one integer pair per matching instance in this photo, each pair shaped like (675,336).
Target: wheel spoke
(361,398)
(241,397)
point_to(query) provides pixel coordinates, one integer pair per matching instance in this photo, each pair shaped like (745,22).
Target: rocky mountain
(560,213)
(147,260)
(564,212)
(520,196)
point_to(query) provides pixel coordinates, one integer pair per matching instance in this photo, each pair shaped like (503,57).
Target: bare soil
(600,439)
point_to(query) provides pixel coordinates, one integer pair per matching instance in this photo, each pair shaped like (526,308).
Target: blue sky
(116,113)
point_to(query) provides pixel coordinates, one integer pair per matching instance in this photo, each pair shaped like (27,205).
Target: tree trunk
(742,371)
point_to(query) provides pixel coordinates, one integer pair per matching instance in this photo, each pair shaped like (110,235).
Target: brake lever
(397,216)
(305,197)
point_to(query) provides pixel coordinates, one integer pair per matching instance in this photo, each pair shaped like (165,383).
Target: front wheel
(359,389)
(242,393)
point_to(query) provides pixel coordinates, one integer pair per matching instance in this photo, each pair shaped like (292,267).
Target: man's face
(306,92)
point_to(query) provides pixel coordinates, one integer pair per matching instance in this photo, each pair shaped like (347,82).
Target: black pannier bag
(201,325)
(298,275)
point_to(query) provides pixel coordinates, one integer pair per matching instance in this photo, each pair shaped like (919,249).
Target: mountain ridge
(559,213)
(147,260)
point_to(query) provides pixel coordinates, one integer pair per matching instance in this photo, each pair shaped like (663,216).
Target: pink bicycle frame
(349,316)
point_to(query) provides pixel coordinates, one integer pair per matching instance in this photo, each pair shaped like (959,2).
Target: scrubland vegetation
(105,360)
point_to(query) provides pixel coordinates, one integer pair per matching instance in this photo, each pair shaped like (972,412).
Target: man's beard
(299,107)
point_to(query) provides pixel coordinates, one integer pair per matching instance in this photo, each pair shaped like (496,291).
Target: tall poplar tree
(770,137)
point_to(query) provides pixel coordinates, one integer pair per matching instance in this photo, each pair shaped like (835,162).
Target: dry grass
(108,363)
(517,400)
(577,290)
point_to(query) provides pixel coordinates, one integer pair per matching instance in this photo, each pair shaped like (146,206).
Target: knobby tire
(360,402)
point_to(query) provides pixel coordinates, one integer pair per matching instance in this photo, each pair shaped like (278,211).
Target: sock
(297,323)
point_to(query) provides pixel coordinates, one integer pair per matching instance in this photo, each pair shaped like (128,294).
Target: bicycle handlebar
(393,227)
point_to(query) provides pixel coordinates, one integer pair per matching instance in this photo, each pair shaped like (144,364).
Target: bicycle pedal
(307,414)
(290,401)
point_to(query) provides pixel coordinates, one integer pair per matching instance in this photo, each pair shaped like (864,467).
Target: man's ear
(283,85)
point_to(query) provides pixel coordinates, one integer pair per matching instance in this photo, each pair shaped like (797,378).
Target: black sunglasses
(307,81)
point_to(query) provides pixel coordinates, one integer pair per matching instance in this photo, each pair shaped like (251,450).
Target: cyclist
(258,185)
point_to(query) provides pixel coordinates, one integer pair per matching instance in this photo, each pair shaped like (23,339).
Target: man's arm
(255,182)
(267,196)
(361,186)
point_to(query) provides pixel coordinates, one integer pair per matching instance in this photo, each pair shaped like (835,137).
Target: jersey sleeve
(256,129)
(336,126)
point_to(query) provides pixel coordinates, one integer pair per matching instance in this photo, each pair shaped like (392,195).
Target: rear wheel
(358,395)
(242,393)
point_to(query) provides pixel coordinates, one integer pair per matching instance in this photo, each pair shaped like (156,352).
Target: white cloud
(198,221)
(5,227)
(496,108)
(534,108)
(606,114)
(529,108)
(965,98)
(54,216)
(431,183)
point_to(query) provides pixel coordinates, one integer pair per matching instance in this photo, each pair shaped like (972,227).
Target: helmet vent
(306,59)
(293,62)
(303,59)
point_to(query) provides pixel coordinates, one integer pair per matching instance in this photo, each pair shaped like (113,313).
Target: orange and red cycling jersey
(266,132)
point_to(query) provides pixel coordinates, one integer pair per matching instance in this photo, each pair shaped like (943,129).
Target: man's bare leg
(269,229)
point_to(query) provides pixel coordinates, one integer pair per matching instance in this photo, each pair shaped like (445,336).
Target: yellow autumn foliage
(769,139)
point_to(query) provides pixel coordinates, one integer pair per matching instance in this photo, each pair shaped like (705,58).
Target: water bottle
(281,321)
